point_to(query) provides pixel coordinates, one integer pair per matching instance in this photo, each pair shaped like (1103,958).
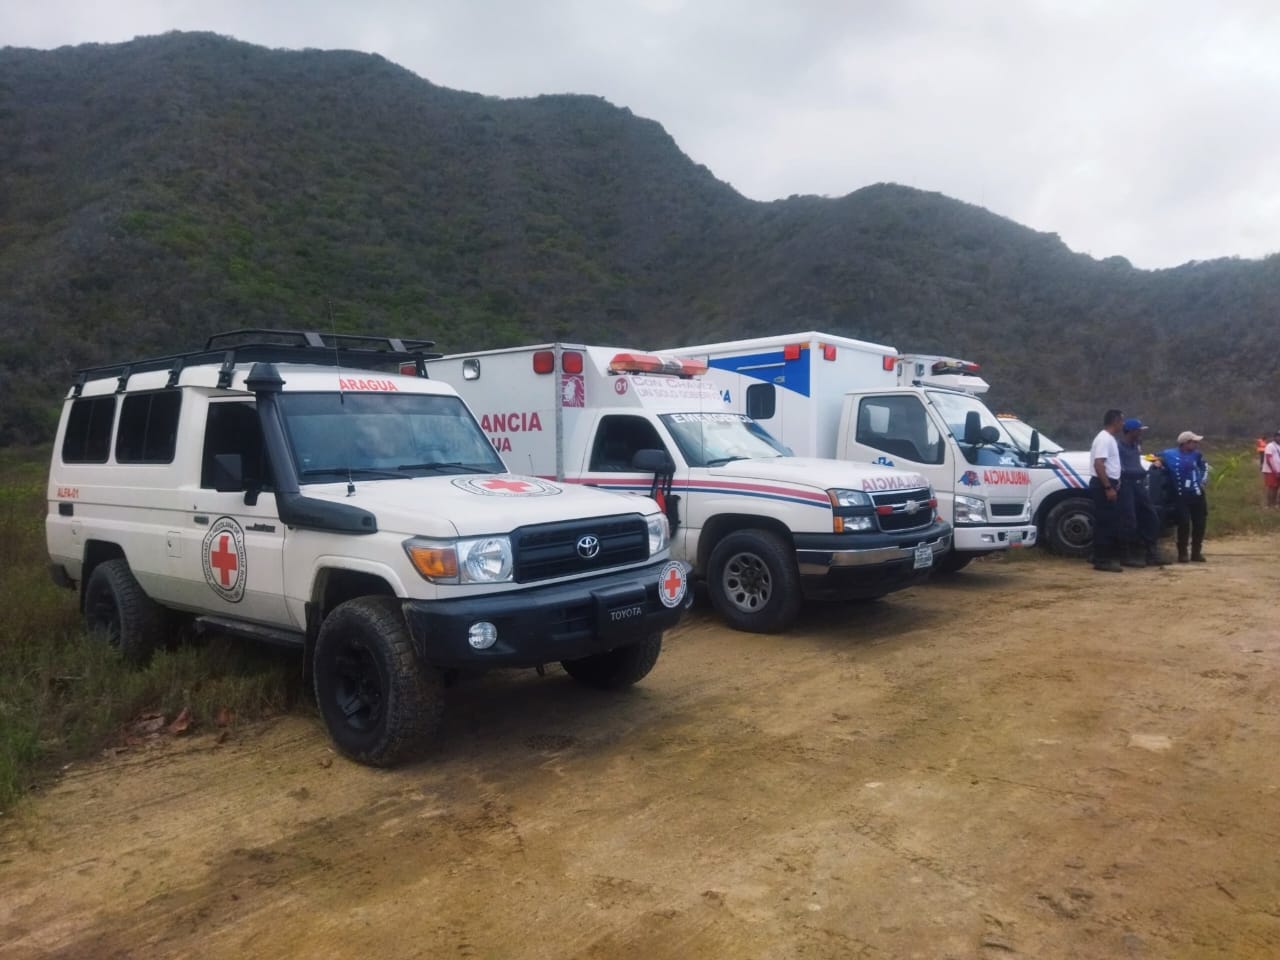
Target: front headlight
(971,510)
(849,498)
(479,560)
(659,533)
(485,561)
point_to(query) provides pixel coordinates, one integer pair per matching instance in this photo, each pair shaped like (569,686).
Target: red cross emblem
(226,563)
(224,559)
(515,486)
(672,584)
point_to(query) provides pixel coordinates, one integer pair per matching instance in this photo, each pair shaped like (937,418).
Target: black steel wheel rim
(357,687)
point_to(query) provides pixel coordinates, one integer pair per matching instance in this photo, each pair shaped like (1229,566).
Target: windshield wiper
(451,466)
(341,473)
(721,461)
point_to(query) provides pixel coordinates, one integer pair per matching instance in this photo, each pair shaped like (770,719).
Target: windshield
(956,409)
(1021,434)
(714,439)
(383,435)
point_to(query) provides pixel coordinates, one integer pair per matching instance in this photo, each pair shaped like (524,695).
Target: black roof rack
(355,350)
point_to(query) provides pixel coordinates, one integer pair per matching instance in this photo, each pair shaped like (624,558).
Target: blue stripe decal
(770,367)
(1072,471)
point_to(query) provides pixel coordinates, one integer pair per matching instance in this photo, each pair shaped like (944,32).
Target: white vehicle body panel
(821,382)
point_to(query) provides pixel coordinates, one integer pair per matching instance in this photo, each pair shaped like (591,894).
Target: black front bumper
(563,621)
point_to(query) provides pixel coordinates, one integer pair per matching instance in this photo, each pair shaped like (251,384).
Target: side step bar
(252,631)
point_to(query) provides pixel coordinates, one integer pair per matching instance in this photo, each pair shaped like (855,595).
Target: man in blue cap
(1139,521)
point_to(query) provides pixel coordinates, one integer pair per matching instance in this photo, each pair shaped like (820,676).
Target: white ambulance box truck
(829,396)
(1060,504)
(764,529)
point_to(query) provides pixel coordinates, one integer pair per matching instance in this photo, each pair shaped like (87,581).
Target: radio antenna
(342,399)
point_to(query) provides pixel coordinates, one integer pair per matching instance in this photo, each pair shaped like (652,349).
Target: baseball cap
(1133,423)
(1186,436)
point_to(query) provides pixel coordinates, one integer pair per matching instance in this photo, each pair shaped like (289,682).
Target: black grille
(894,522)
(1007,509)
(550,550)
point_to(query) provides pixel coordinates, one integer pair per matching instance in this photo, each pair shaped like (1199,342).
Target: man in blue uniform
(1138,518)
(1187,474)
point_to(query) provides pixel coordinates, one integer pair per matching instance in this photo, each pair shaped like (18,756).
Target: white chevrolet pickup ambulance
(281,486)
(762,527)
(829,396)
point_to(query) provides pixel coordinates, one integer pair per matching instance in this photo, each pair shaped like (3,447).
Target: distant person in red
(1271,470)
(1261,448)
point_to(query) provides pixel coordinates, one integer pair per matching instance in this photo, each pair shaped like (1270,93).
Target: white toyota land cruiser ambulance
(762,527)
(830,396)
(272,486)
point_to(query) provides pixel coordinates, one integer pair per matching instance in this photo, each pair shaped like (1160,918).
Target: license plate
(924,557)
(1015,536)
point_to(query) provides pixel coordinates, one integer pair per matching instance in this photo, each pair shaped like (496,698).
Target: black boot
(1153,557)
(1129,556)
(1182,554)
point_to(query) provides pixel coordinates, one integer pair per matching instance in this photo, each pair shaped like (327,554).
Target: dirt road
(1032,760)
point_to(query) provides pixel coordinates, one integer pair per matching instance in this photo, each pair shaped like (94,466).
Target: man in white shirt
(1271,470)
(1104,487)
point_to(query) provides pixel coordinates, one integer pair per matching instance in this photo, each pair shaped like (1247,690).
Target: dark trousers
(1139,522)
(1106,523)
(1192,513)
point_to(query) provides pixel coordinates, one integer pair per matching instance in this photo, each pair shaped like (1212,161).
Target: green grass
(65,695)
(1235,495)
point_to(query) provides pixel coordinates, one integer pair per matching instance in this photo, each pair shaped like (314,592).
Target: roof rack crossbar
(347,350)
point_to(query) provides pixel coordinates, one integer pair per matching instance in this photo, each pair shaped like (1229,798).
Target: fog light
(482,635)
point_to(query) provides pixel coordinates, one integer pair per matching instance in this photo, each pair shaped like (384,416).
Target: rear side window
(148,427)
(88,436)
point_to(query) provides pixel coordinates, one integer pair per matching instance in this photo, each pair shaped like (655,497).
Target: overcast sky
(1147,129)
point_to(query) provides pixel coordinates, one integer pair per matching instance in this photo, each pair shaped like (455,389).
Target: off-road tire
(951,562)
(1068,527)
(754,581)
(116,605)
(378,703)
(616,669)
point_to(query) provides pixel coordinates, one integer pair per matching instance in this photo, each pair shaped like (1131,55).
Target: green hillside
(155,191)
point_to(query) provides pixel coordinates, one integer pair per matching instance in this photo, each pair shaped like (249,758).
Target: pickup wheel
(754,582)
(952,562)
(616,669)
(1068,527)
(116,605)
(379,705)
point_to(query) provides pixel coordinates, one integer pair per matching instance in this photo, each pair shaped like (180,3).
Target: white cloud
(1145,129)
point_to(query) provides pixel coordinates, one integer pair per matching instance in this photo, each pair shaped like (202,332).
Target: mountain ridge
(163,189)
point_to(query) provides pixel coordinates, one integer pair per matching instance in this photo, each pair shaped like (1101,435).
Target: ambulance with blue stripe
(829,396)
(764,529)
(1060,504)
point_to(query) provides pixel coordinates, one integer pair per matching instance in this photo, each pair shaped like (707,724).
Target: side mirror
(972,428)
(987,435)
(228,472)
(653,461)
(1033,454)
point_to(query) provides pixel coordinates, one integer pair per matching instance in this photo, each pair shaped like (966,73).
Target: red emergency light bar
(888,362)
(681,367)
(954,366)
